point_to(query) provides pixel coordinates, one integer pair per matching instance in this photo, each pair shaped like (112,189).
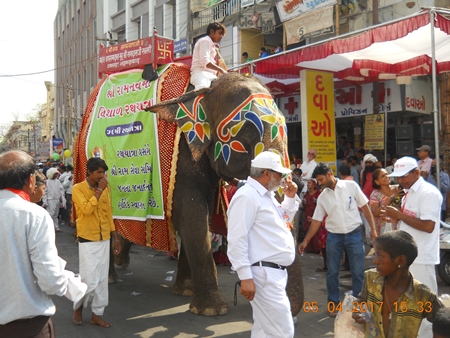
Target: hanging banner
(289,9)
(125,136)
(374,132)
(317,101)
(310,24)
(57,145)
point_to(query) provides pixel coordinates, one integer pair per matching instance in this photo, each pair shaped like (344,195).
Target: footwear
(333,314)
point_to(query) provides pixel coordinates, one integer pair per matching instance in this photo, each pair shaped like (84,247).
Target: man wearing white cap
(54,196)
(424,162)
(261,246)
(419,216)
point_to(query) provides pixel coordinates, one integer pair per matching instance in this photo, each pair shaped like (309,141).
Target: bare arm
(416,223)
(315,225)
(368,214)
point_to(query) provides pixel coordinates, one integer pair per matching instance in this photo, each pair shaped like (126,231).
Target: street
(142,304)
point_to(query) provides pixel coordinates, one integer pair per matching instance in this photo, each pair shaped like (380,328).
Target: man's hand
(248,289)
(103,183)
(302,246)
(117,247)
(391,212)
(290,188)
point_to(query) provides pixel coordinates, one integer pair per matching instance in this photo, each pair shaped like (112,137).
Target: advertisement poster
(317,98)
(374,132)
(57,145)
(289,9)
(125,136)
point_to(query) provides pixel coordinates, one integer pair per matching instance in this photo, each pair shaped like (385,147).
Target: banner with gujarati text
(317,101)
(125,136)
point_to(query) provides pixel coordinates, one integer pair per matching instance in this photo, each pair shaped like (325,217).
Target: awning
(393,50)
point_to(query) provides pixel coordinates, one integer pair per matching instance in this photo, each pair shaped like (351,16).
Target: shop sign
(374,132)
(317,97)
(418,97)
(290,107)
(310,24)
(180,46)
(289,9)
(358,100)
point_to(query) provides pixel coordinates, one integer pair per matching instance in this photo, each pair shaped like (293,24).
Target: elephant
(220,130)
(225,127)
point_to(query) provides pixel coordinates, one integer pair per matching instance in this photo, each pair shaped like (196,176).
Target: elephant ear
(188,113)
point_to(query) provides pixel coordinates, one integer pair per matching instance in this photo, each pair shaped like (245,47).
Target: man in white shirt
(419,216)
(204,67)
(424,162)
(307,168)
(339,201)
(261,246)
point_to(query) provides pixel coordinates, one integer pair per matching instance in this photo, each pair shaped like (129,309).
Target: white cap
(403,166)
(51,172)
(371,158)
(270,160)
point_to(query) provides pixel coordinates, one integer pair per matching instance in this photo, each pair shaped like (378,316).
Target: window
(120,5)
(121,36)
(88,44)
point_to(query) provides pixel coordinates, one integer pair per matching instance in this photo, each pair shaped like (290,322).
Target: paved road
(142,304)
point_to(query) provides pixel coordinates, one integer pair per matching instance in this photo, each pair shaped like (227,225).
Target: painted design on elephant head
(198,126)
(268,112)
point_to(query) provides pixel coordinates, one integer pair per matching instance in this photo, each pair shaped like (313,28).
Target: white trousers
(94,266)
(271,307)
(426,274)
(53,210)
(202,78)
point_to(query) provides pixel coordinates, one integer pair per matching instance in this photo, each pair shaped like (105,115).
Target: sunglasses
(282,175)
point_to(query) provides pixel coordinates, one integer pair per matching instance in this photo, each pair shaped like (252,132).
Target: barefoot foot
(78,316)
(97,320)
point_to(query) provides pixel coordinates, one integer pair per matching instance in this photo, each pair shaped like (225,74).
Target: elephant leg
(183,283)
(294,287)
(112,274)
(123,258)
(196,244)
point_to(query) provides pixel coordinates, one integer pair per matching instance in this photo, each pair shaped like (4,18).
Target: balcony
(217,12)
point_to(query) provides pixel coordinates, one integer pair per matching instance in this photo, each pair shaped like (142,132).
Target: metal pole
(435,107)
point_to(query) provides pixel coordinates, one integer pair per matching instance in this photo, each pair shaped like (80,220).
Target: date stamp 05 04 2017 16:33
(358,307)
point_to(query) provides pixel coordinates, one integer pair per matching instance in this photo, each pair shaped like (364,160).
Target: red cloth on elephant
(310,206)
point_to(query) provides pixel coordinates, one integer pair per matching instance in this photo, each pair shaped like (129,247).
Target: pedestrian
(445,185)
(307,168)
(366,175)
(419,216)
(261,246)
(246,58)
(67,185)
(309,204)
(397,300)
(39,189)
(383,195)
(424,161)
(441,324)
(31,268)
(205,66)
(95,226)
(339,202)
(54,197)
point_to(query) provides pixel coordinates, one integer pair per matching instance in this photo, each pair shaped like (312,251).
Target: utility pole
(69,115)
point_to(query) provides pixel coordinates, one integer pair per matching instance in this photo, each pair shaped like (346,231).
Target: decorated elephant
(222,129)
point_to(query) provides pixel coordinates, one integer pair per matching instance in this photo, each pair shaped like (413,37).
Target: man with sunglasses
(419,216)
(261,246)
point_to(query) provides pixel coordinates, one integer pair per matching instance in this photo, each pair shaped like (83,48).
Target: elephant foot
(122,260)
(186,288)
(214,305)
(112,277)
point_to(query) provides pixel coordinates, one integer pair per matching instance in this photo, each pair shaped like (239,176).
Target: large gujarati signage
(125,136)
(308,25)
(289,9)
(135,54)
(374,132)
(358,100)
(317,97)
(418,97)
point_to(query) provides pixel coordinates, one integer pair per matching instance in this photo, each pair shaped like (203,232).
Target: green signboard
(126,137)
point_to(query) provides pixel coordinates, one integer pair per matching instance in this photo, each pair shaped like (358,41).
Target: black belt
(269,265)
(83,240)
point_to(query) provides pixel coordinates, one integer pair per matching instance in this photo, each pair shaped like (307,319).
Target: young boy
(204,66)
(441,324)
(397,301)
